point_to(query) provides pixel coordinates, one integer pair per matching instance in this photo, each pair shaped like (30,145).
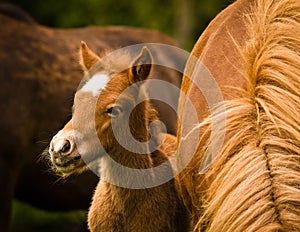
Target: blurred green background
(26,218)
(181,19)
(184,20)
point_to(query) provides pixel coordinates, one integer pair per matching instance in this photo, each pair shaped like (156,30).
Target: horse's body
(39,75)
(116,207)
(252,49)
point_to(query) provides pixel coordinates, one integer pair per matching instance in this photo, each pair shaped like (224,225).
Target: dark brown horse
(39,74)
(245,165)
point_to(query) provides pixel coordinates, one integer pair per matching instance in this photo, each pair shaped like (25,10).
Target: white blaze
(96,84)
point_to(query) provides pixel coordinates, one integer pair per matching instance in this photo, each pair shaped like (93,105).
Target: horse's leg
(8,175)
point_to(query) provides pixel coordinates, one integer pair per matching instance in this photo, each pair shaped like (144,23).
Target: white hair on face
(95,84)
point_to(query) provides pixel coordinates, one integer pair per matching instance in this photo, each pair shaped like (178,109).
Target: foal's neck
(138,154)
(120,162)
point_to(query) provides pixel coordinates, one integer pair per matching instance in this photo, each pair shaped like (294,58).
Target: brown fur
(116,208)
(254,183)
(39,75)
(119,209)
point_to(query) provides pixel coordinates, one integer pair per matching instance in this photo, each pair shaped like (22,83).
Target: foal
(136,205)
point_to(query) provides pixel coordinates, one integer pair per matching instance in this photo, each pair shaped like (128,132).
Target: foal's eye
(114,111)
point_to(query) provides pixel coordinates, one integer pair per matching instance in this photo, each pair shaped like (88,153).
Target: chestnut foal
(136,203)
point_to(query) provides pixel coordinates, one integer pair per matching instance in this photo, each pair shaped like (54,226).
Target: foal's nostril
(66,148)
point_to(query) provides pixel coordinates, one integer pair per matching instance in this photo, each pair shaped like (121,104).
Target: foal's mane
(254,185)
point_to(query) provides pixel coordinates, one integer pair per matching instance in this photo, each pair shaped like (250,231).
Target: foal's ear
(141,67)
(87,57)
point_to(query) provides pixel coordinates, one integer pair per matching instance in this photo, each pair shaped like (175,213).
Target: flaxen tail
(254,185)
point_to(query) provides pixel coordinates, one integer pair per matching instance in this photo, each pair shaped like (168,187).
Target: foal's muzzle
(63,151)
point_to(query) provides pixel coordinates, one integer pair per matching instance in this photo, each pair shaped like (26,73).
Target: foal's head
(110,111)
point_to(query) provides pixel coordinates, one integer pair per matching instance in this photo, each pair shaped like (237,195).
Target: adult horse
(39,75)
(250,178)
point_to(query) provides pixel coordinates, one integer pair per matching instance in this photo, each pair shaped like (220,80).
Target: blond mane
(254,185)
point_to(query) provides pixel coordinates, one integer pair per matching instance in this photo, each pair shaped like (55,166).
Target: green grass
(26,218)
